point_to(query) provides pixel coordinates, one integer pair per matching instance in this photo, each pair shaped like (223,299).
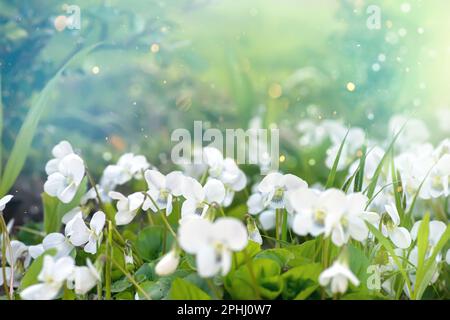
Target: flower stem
(277,226)
(163,216)
(130,278)
(213,288)
(108,265)
(6,243)
(284,226)
(94,185)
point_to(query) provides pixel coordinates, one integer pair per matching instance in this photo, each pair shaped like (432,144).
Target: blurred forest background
(161,65)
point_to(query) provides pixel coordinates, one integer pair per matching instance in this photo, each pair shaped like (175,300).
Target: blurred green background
(161,65)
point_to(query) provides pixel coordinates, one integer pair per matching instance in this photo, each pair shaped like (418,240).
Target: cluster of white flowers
(59,272)
(76,233)
(202,194)
(65,173)
(330,212)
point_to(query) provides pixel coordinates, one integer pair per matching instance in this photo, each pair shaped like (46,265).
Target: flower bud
(253,232)
(168,264)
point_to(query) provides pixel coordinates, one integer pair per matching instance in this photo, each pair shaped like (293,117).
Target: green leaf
(422,247)
(430,265)
(359,264)
(306,293)
(332,175)
(397,186)
(202,283)
(150,242)
(184,290)
(31,276)
(54,209)
(121,285)
(238,211)
(239,258)
(279,255)
(26,133)
(299,279)
(360,171)
(373,183)
(269,283)
(303,253)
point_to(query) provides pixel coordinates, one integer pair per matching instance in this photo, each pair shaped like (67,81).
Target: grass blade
(360,173)
(430,264)
(397,188)
(371,188)
(26,133)
(422,246)
(390,249)
(332,175)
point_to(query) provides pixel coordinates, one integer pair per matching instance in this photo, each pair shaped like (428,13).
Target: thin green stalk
(213,288)
(325,251)
(5,285)
(6,243)
(94,185)
(204,177)
(108,265)
(163,216)
(278,213)
(130,278)
(284,226)
(221,211)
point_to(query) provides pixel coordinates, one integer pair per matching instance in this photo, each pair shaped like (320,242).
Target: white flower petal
(393,213)
(155,179)
(84,280)
(79,234)
(267,219)
(4,201)
(230,231)
(214,191)
(62,149)
(41,291)
(192,189)
(207,263)
(302,224)
(55,182)
(358,229)
(292,182)
(400,237)
(174,182)
(193,234)
(63,268)
(168,264)
(98,222)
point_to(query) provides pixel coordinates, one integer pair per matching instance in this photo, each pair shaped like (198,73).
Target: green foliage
(151,242)
(268,284)
(332,174)
(184,290)
(300,282)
